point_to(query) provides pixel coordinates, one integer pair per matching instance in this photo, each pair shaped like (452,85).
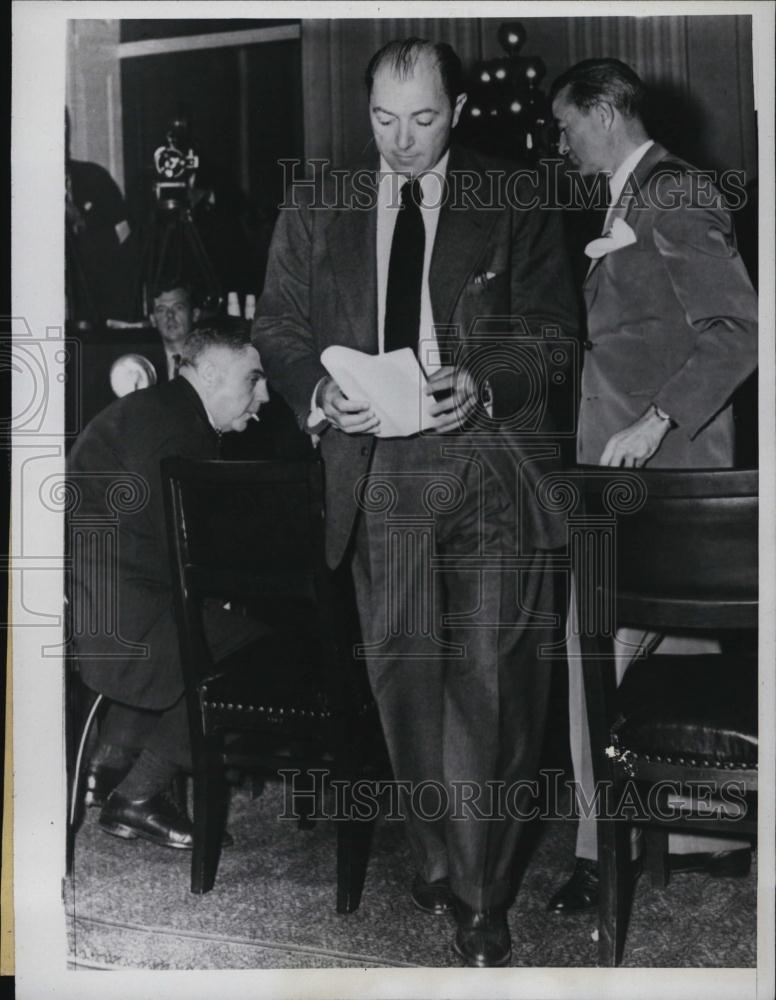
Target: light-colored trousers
(627,644)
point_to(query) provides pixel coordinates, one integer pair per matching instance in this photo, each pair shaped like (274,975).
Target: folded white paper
(393,383)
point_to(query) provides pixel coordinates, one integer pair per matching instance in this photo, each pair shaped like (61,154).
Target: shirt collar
(431,181)
(628,165)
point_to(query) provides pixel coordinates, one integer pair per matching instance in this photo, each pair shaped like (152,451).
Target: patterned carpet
(128,905)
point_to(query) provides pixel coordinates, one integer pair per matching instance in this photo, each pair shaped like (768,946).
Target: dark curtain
(698,68)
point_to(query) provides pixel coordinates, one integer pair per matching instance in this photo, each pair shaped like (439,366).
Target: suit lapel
(461,238)
(644,168)
(351,240)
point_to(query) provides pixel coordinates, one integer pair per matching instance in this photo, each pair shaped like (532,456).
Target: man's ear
(606,114)
(207,371)
(195,314)
(152,320)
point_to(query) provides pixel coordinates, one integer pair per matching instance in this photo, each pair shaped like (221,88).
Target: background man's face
(582,138)
(412,117)
(173,315)
(239,388)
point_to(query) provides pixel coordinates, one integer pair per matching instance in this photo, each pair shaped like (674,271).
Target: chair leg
(75,755)
(306,804)
(354,838)
(656,856)
(209,814)
(614,893)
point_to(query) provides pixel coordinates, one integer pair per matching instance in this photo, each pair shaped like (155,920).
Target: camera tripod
(174,252)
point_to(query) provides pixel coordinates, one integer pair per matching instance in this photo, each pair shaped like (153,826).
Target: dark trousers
(452,629)
(165,733)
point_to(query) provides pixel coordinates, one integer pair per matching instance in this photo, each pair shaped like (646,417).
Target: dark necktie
(176,365)
(405,273)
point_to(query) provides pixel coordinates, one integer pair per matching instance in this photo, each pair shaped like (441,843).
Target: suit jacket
(490,264)
(125,444)
(672,320)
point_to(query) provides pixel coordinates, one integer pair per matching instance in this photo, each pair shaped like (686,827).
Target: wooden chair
(252,533)
(682,559)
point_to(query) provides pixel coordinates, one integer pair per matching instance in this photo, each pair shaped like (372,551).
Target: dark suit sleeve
(542,287)
(709,279)
(282,331)
(544,304)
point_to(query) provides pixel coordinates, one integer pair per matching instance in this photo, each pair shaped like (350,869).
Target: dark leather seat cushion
(695,708)
(280,680)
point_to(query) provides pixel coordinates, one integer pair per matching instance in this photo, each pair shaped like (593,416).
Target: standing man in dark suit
(399,256)
(120,594)
(672,333)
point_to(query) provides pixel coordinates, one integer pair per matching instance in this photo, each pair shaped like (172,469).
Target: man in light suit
(672,333)
(453,663)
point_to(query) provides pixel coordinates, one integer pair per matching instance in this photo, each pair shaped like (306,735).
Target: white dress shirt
(388,205)
(620,176)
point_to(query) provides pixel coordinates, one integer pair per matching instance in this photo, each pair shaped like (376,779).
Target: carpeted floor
(273,906)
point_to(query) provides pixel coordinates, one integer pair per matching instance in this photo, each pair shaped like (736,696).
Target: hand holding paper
(455,396)
(392,384)
(352,416)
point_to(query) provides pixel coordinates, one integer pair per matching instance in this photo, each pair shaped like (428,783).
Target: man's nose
(563,146)
(406,136)
(260,392)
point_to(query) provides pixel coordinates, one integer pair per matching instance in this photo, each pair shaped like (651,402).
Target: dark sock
(150,774)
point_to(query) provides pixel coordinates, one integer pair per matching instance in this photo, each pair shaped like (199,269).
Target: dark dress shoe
(580,893)
(720,864)
(159,819)
(101,780)
(482,939)
(432,897)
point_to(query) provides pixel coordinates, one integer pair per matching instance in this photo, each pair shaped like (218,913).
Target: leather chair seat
(696,710)
(274,681)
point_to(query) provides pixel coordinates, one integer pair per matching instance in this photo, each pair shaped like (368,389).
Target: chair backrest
(251,532)
(685,546)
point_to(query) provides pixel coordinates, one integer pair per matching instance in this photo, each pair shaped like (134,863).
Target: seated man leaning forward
(144,740)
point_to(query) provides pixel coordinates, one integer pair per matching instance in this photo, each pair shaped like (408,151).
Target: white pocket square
(485,278)
(620,235)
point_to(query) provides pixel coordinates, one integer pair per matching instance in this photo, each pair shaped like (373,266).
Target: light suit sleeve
(697,248)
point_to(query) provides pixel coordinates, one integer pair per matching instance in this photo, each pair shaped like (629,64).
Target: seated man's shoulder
(126,424)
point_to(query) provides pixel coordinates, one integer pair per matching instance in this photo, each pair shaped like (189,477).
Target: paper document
(393,383)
